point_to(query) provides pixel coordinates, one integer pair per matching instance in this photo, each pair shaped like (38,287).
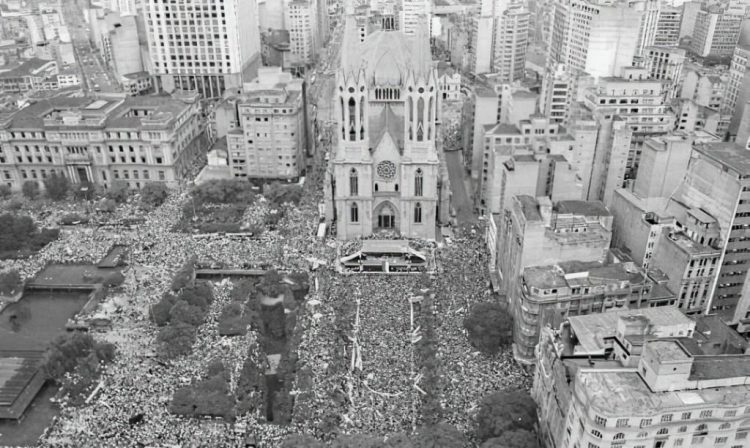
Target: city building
(651,377)
(668,26)
(690,11)
(665,64)
(613,148)
(499,39)
(412,14)
(664,161)
(136,83)
(738,88)
(716,31)
(743,129)
(450,82)
(300,18)
(561,88)
(134,140)
(28,75)
(119,42)
(269,142)
(384,171)
(638,101)
(597,38)
(712,203)
(650,14)
(187,56)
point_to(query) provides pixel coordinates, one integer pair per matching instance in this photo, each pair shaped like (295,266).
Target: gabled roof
(387,122)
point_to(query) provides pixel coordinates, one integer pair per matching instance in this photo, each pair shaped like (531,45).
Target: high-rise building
(134,140)
(270,139)
(665,64)
(300,18)
(413,13)
(716,31)
(640,102)
(610,158)
(384,172)
(743,129)
(599,39)
(561,88)
(708,87)
(712,203)
(650,378)
(738,89)
(499,39)
(650,13)
(668,27)
(689,14)
(203,45)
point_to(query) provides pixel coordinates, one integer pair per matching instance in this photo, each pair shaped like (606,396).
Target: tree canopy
(505,411)
(489,326)
(224,191)
(56,186)
(30,189)
(517,438)
(153,194)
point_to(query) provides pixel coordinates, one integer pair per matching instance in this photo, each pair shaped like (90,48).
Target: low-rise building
(642,378)
(449,81)
(134,140)
(31,74)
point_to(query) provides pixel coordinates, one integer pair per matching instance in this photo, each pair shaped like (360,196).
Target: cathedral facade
(384,169)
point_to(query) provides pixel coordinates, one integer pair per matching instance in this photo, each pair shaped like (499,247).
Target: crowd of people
(357,332)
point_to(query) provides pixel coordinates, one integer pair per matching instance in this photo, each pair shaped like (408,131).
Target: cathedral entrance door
(386,218)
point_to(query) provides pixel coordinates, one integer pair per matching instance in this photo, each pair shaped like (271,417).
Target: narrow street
(461,200)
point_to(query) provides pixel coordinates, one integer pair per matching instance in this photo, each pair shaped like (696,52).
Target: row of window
(354,213)
(666,418)
(354,183)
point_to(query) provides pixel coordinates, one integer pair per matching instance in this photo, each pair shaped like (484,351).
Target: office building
(712,203)
(384,172)
(613,148)
(668,27)
(690,12)
(561,88)
(202,45)
(708,87)
(738,88)
(300,18)
(650,377)
(665,64)
(499,40)
(664,161)
(650,14)
(599,39)
(640,103)
(268,140)
(31,74)
(716,32)
(134,140)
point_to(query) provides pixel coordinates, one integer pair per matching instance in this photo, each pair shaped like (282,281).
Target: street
(460,201)
(95,75)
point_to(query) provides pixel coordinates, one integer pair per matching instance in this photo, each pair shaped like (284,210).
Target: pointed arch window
(418,183)
(418,213)
(362,118)
(420,119)
(353,182)
(352,120)
(354,212)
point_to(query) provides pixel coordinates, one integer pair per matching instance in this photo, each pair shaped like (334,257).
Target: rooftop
(582,208)
(728,154)
(691,247)
(529,207)
(668,350)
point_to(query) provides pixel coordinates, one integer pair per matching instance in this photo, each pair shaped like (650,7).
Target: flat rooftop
(691,247)
(668,350)
(583,208)
(592,329)
(729,154)
(625,393)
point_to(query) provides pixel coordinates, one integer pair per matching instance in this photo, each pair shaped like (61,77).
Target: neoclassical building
(384,171)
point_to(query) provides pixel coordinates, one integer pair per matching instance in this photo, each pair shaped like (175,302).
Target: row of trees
(208,397)
(179,315)
(489,326)
(77,353)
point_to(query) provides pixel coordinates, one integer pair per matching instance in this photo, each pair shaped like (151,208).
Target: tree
(175,340)
(153,194)
(505,411)
(5,191)
(489,326)
(357,441)
(301,441)
(118,192)
(160,313)
(10,282)
(517,438)
(183,312)
(30,189)
(441,435)
(225,191)
(57,186)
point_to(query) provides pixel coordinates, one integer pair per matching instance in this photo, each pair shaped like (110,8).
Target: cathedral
(384,174)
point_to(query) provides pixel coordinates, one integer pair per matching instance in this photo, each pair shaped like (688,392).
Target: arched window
(418,183)
(362,118)
(353,183)
(418,213)
(420,119)
(596,433)
(702,427)
(376,186)
(619,436)
(343,119)
(354,213)
(352,121)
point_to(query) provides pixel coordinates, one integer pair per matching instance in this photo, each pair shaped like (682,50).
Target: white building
(413,12)
(203,45)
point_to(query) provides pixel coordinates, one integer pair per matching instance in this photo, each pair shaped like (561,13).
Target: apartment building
(269,142)
(28,75)
(640,103)
(665,64)
(596,38)
(712,203)
(651,377)
(561,88)
(134,140)
(203,45)
(300,17)
(499,39)
(716,31)
(668,26)
(738,88)
(650,13)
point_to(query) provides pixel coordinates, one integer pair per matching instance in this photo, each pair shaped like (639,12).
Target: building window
(645,422)
(682,429)
(666,418)
(619,436)
(707,413)
(596,433)
(354,213)
(662,431)
(353,183)
(686,415)
(622,422)
(418,183)
(601,421)
(720,440)
(418,213)
(161,175)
